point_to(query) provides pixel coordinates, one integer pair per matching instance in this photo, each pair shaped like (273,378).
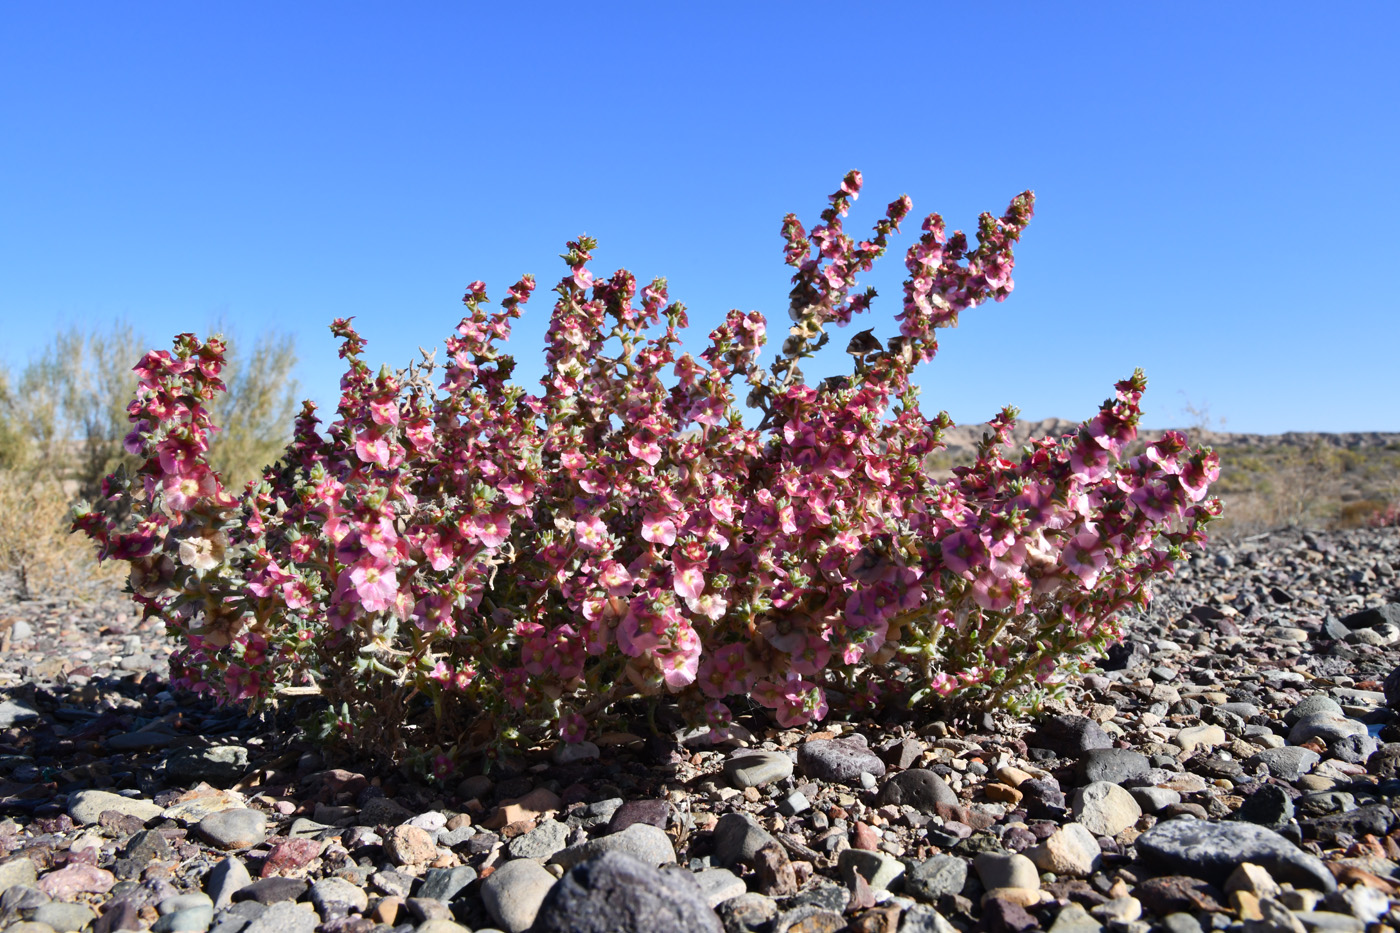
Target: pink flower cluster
(456,553)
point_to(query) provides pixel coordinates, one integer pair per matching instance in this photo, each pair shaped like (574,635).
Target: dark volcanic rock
(918,788)
(1211,851)
(1069,735)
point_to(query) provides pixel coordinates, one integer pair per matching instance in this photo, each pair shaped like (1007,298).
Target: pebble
(755,769)
(514,892)
(1210,851)
(1104,809)
(239,828)
(840,760)
(1070,850)
(87,806)
(641,841)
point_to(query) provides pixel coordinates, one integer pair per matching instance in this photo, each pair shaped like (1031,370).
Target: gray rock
(1309,706)
(65,918)
(841,760)
(1073,918)
(225,880)
(656,811)
(924,919)
(443,884)
(238,828)
(1069,735)
(933,878)
(236,917)
(193,919)
(879,870)
(756,769)
(1354,749)
(331,895)
(1270,807)
(1287,764)
(1326,726)
(1114,765)
(642,841)
(85,806)
(1181,922)
(1152,799)
(737,838)
(514,892)
(18,871)
(1105,809)
(549,837)
(1006,870)
(16,711)
(381,811)
(919,788)
(719,885)
(615,893)
(138,741)
(569,752)
(1211,851)
(284,917)
(218,765)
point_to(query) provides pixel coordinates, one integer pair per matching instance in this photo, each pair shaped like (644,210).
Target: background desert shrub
(35,543)
(63,419)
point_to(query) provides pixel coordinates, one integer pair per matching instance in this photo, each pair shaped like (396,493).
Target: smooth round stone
(1070,850)
(1194,737)
(1006,870)
(1211,851)
(336,894)
(1152,799)
(1287,764)
(514,892)
(1104,809)
(758,768)
(21,871)
(879,870)
(932,878)
(748,912)
(1326,726)
(1073,918)
(840,760)
(919,788)
(642,841)
(1309,706)
(65,918)
(438,925)
(218,765)
(430,822)
(87,805)
(240,828)
(194,919)
(615,893)
(225,880)
(180,902)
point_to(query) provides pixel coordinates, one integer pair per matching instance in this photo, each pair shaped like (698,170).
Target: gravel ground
(1234,766)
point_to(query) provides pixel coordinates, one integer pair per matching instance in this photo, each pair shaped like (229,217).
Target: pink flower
(572,727)
(689,581)
(491,530)
(615,578)
(372,448)
(710,605)
(658,529)
(181,492)
(590,533)
(384,412)
(964,550)
(1084,557)
(648,451)
(375,583)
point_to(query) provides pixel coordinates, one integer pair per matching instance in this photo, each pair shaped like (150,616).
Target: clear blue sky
(1217,185)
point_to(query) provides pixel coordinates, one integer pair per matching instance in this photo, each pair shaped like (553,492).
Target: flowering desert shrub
(458,563)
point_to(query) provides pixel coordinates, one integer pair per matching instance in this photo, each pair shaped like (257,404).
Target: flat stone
(218,765)
(1073,918)
(194,919)
(74,879)
(284,917)
(85,806)
(1287,764)
(514,892)
(443,884)
(269,891)
(1325,726)
(1152,799)
(1114,765)
(655,811)
(1211,851)
(935,877)
(17,871)
(758,768)
(642,841)
(409,845)
(879,870)
(1105,809)
(65,918)
(234,829)
(549,837)
(841,760)
(615,893)
(16,711)
(329,895)
(748,913)
(1069,735)
(720,885)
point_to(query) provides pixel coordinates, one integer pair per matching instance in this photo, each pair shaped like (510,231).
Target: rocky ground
(1233,767)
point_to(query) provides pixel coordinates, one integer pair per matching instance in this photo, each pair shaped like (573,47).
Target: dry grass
(35,544)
